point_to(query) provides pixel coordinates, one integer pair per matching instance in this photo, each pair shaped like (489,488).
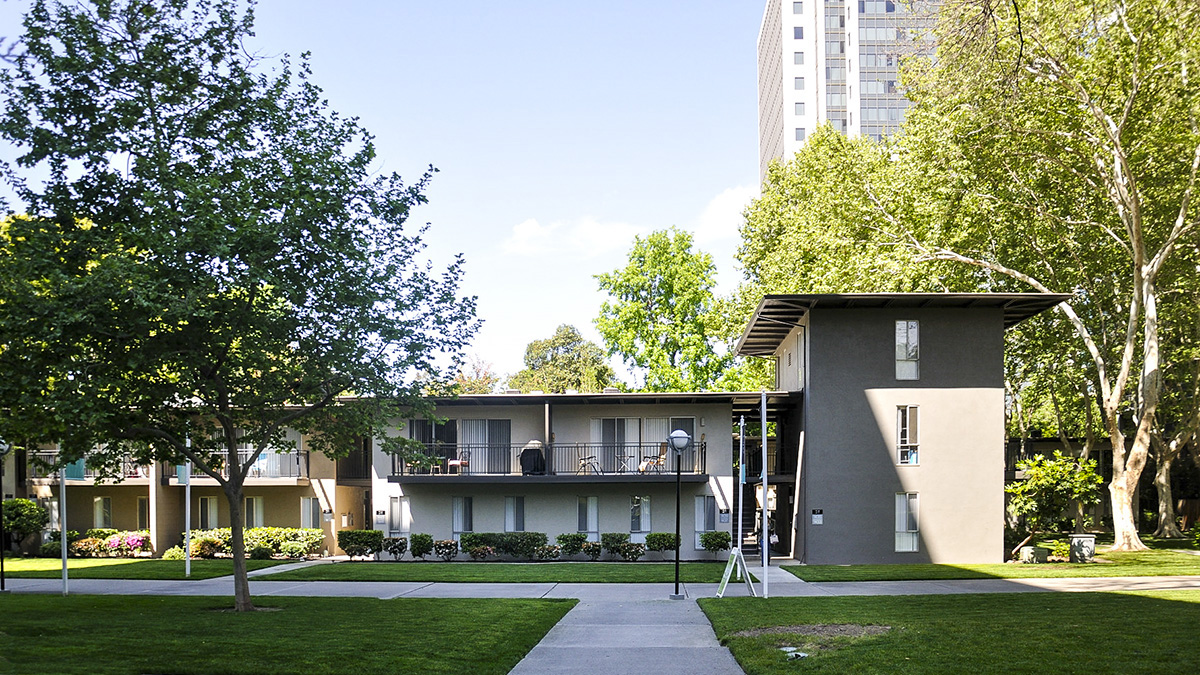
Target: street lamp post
(4,450)
(679,440)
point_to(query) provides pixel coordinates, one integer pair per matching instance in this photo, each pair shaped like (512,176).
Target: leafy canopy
(564,361)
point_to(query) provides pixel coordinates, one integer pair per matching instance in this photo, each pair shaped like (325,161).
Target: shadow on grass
(126,568)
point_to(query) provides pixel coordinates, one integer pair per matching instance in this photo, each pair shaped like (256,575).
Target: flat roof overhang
(777,315)
(610,479)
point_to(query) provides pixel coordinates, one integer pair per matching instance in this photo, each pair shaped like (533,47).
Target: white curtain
(907,532)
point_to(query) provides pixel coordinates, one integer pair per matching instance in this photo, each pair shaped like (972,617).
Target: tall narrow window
(589,517)
(706,516)
(143,513)
(254,512)
(798,83)
(907,532)
(800,110)
(462,516)
(639,518)
(208,513)
(798,58)
(310,512)
(400,516)
(907,438)
(514,514)
(797,8)
(798,32)
(908,352)
(800,131)
(102,512)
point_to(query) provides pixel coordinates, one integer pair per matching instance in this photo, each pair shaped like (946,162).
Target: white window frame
(589,517)
(514,514)
(908,513)
(254,516)
(908,440)
(102,512)
(462,516)
(908,350)
(311,513)
(209,512)
(706,517)
(400,516)
(639,518)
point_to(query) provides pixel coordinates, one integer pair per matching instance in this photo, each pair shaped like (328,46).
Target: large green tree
(564,361)
(207,255)
(660,318)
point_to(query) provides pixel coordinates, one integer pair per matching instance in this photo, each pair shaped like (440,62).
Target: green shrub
(632,552)
(205,547)
(550,552)
(360,542)
(521,544)
(1194,535)
(1061,549)
(174,553)
(395,546)
(23,517)
(100,533)
(660,541)
(293,549)
(612,542)
(54,535)
(421,545)
(446,549)
(571,542)
(260,552)
(51,549)
(480,552)
(311,537)
(718,540)
(476,539)
(592,549)
(88,547)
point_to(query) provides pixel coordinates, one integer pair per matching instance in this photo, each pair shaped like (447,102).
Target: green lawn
(138,634)
(124,568)
(1143,564)
(1010,632)
(571,572)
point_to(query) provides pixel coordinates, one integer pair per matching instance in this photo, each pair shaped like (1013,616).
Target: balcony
(278,468)
(557,463)
(131,473)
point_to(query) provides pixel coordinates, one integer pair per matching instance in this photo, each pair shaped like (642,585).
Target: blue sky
(560,130)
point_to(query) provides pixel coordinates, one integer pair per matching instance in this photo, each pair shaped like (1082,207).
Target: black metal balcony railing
(268,465)
(490,459)
(79,470)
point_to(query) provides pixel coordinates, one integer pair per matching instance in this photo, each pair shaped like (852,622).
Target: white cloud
(529,238)
(583,238)
(722,216)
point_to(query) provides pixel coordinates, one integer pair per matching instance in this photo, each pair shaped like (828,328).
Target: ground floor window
(639,518)
(907,532)
(589,517)
(102,512)
(254,512)
(706,516)
(143,513)
(310,512)
(208,513)
(400,517)
(462,516)
(514,514)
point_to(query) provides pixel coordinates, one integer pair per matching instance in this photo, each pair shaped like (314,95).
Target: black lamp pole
(679,440)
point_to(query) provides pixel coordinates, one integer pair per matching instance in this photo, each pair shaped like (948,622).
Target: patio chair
(459,462)
(653,463)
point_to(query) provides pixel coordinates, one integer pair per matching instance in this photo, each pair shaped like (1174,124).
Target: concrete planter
(1083,548)
(1034,554)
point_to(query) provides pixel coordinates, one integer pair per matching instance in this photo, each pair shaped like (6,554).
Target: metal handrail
(491,459)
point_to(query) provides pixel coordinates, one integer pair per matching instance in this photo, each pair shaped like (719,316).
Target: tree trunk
(1168,528)
(1125,534)
(237,541)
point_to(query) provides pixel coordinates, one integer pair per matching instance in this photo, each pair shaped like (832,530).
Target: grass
(1163,562)
(124,568)
(138,634)
(1011,632)
(464,572)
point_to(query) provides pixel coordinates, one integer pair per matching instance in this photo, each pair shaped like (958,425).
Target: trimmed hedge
(274,538)
(360,542)
(613,541)
(395,546)
(516,544)
(421,545)
(660,541)
(571,542)
(446,549)
(715,541)
(592,549)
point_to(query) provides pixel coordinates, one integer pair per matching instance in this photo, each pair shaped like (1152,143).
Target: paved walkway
(615,628)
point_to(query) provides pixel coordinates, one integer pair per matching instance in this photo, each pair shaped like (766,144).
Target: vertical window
(797,8)
(400,516)
(208,513)
(798,58)
(310,512)
(254,512)
(800,108)
(514,514)
(706,516)
(799,84)
(907,439)
(143,504)
(908,350)
(798,32)
(799,137)
(639,518)
(589,517)
(462,516)
(907,532)
(102,512)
